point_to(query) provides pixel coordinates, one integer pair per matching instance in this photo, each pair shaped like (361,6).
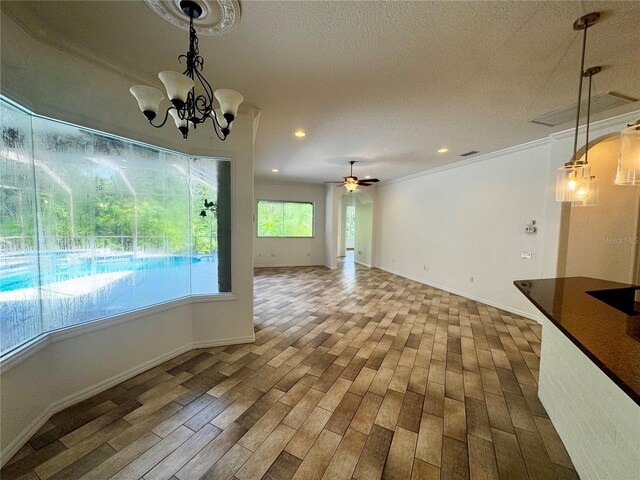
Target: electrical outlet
(471,279)
(531,228)
(425,268)
(525,255)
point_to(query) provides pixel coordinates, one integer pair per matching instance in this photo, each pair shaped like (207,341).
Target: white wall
(70,365)
(462,228)
(281,252)
(333,218)
(363,246)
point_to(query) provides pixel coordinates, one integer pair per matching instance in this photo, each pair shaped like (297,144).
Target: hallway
(355,373)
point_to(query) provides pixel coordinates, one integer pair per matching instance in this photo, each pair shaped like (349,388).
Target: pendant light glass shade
(178,87)
(148,98)
(567,178)
(629,157)
(229,101)
(586,192)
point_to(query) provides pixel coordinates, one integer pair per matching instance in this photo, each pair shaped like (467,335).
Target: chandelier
(187,109)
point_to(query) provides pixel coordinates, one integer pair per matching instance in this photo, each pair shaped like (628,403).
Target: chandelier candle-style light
(187,109)
(574,182)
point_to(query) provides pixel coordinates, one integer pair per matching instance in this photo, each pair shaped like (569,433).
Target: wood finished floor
(355,373)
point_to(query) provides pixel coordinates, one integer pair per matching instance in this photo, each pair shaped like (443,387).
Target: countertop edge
(606,370)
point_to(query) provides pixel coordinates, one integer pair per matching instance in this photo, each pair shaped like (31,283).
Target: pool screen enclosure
(93,225)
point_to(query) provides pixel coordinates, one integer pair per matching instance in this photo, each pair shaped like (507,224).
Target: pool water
(59,267)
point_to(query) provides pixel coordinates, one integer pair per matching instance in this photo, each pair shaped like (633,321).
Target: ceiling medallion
(218,16)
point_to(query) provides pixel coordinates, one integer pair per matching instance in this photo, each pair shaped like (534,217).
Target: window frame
(305,202)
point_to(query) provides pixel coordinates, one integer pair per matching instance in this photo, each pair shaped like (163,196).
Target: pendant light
(574,182)
(586,192)
(628,172)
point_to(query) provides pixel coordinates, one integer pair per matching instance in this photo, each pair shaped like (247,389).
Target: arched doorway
(603,241)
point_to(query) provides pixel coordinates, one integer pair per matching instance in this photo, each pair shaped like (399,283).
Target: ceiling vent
(599,103)
(469,153)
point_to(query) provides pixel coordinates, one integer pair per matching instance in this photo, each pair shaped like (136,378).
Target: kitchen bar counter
(608,336)
(589,379)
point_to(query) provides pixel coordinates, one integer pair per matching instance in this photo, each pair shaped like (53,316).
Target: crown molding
(470,161)
(600,126)
(606,124)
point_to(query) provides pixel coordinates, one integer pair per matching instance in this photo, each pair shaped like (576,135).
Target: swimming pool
(19,271)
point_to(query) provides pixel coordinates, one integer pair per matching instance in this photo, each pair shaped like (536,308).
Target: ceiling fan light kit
(351,183)
(187,109)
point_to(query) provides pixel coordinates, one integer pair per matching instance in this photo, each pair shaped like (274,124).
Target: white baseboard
(92,390)
(228,341)
(536,318)
(362,263)
(278,265)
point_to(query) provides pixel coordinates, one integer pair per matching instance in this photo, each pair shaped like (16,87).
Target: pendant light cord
(575,138)
(586,152)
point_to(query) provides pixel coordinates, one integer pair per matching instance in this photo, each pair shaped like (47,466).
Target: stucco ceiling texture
(384,83)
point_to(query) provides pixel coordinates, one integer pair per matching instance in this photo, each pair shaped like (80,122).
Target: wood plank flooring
(355,374)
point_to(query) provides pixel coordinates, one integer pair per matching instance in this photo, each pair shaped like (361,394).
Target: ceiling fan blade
(364,184)
(339,182)
(372,180)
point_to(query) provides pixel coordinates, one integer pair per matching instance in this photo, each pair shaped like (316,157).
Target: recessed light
(275,170)
(299,133)
(367,176)
(443,150)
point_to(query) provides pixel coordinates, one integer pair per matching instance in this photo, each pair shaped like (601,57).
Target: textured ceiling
(385,83)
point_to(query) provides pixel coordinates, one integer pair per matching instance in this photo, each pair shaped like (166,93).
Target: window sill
(24,351)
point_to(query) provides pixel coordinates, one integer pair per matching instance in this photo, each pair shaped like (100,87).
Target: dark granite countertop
(608,336)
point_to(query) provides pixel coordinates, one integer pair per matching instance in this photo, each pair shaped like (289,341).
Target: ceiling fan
(351,182)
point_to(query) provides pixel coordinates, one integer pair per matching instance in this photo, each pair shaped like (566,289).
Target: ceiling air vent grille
(469,153)
(599,103)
